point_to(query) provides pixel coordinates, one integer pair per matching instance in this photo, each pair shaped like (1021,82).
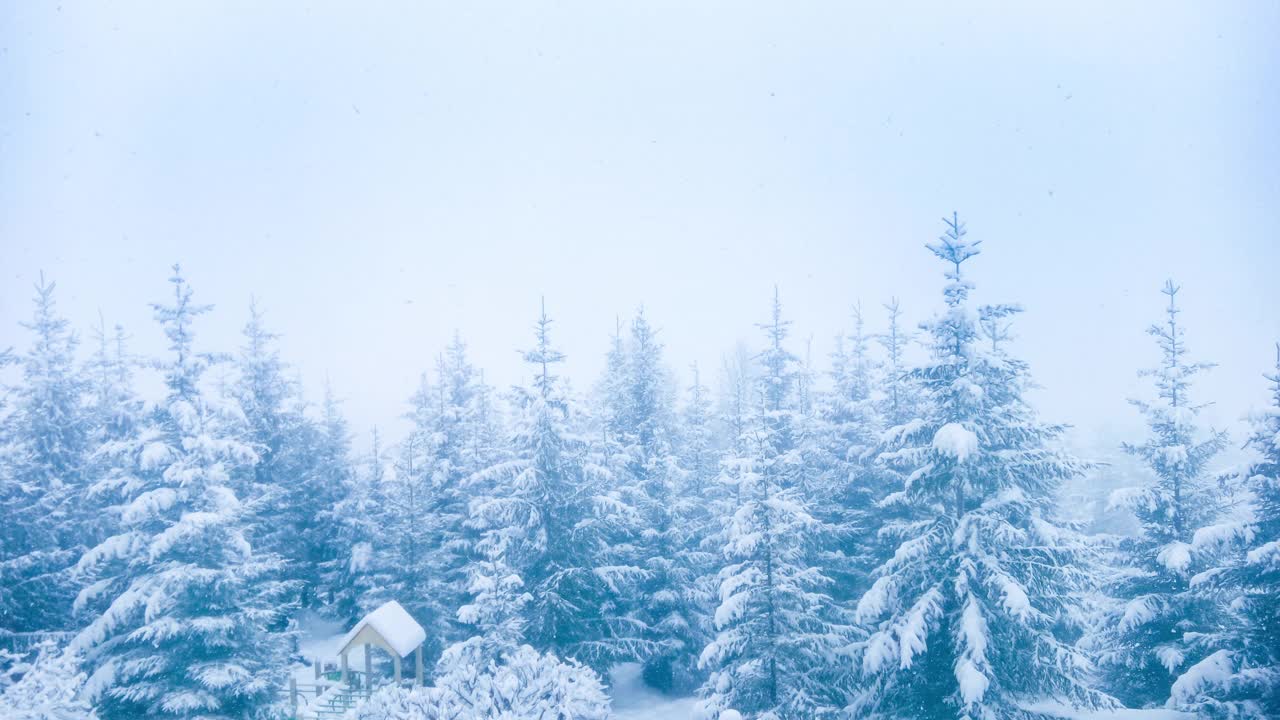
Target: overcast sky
(379,177)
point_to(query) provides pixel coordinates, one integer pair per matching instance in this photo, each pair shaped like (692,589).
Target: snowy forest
(881,533)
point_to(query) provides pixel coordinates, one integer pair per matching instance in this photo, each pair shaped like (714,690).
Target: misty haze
(639,361)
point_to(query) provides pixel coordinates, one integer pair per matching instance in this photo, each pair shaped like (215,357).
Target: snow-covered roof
(393,624)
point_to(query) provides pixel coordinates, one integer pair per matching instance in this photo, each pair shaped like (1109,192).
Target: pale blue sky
(378,177)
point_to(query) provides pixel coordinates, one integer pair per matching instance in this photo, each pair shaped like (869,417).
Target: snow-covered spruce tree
(612,393)
(900,394)
(47,438)
(11,497)
(612,447)
(115,410)
(666,601)
(806,382)
(117,419)
(113,406)
(848,430)
(850,406)
(878,518)
(185,634)
(467,419)
(289,489)
(776,627)
(550,510)
(467,444)
(429,497)
(964,618)
(485,434)
(738,397)
(16,663)
(496,612)
(333,472)
(1164,622)
(1256,685)
(359,573)
(699,456)
(701,503)
(1240,678)
(407,558)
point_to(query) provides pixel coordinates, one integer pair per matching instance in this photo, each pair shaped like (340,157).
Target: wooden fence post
(368,669)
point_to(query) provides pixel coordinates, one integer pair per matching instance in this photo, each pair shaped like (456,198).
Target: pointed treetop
(643,334)
(1173,377)
(185,369)
(777,328)
(258,353)
(44,296)
(457,354)
(52,335)
(543,355)
(775,359)
(955,249)
(952,245)
(896,338)
(256,329)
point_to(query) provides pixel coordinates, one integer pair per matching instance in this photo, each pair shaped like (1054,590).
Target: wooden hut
(391,628)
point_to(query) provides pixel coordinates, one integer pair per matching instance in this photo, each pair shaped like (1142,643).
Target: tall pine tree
(287,483)
(777,627)
(185,634)
(666,603)
(333,471)
(360,570)
(1165,623)
(548,509)
(1257,579)
(429,493)
(849,428)
(47,434)
(965,618)
(1241,679)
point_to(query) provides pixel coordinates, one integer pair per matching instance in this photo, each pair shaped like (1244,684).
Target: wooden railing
(326,701)
(328,697)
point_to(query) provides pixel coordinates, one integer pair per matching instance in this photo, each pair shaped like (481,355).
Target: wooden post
(368,668)
(344,667)
(417,662)
(293,696)
(395,660)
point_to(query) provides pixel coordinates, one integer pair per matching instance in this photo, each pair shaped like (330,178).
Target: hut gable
(389,627)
